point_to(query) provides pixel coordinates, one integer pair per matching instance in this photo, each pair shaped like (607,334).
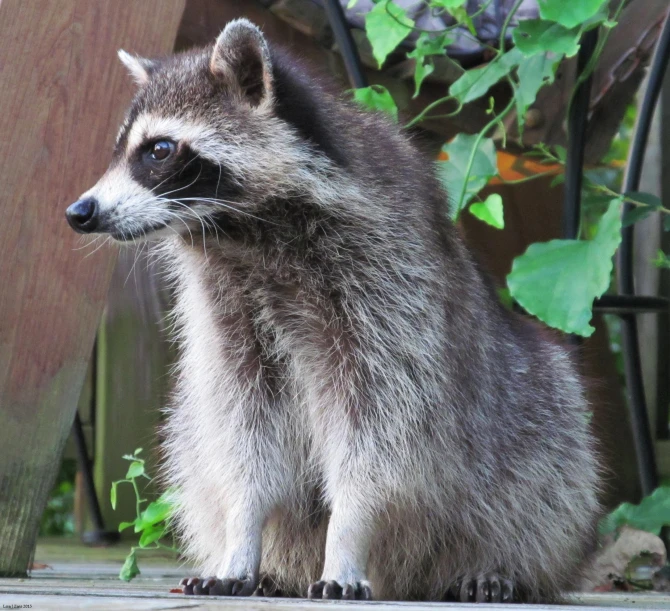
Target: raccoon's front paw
(268,587)
(482,589)
(218,587)
(333,590)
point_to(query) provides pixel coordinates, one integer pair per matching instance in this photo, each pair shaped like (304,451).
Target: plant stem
(430,107)
(413,28)
(508,20)
(137,498)
(492,123)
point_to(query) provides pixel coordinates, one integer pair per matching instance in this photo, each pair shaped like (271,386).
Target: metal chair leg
(99,535)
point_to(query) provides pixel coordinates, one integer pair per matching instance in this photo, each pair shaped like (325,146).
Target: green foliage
(136,469)
(471,164)
(539,36)
(449,5)
(570,14)
(157,512)
(58,516)
(152,522)
(533,74)
(427,46)
(557,281)
(652,514)
(490,211)
(377,97)
(662,260)
(386,26)
(129,570)
(649,204)
(476,83)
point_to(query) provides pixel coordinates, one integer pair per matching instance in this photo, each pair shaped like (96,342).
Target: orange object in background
(513,167)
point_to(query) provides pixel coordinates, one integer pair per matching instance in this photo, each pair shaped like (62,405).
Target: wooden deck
(85,578)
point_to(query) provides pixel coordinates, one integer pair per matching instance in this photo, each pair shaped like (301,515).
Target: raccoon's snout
(83,215)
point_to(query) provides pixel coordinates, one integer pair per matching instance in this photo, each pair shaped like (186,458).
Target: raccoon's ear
(139,67)
(241,57)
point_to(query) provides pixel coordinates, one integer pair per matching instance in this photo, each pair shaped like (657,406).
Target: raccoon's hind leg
(489,588)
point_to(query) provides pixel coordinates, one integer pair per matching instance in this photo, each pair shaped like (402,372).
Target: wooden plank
(62,96)
(80,577)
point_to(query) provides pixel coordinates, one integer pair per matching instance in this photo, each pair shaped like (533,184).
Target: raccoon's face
(200,144)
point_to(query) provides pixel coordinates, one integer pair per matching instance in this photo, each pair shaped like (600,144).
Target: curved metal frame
(626,303)
(625,277)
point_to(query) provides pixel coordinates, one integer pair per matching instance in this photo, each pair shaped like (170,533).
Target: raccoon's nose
(83,215)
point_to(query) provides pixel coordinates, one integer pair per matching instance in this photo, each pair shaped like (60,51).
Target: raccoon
(355,414)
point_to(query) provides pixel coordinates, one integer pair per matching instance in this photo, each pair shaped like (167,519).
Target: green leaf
(125,525)
(386,26)
(571,13)
(150,535)
(427,45)
(645,198)
(533,36)
(112,494)
(490,211)
(454,171)
(475,83)
(421,71)
(351,4)
(129,570)
(138,451)
(377,97)
(559,179)
(635,214)
(661,261)
(135,470)
(132,457)
(651,202)
(448,4)
(157,511)
(601,18)
(557,281)
(533,74)
(458,10)
(652,513)
(461,16)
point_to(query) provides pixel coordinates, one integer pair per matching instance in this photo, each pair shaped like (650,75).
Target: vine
(556,281)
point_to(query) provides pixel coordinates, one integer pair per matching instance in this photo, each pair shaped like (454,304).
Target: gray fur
(352,403)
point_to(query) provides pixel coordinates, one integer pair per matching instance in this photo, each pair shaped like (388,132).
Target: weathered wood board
(62,96)
(86,578)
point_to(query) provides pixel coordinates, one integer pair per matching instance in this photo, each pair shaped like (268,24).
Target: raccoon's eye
(161,150)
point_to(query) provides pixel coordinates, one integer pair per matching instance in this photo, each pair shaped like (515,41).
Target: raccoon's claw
(217,587)
(332,590)
(482,589)
(267,587)
(189,585)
